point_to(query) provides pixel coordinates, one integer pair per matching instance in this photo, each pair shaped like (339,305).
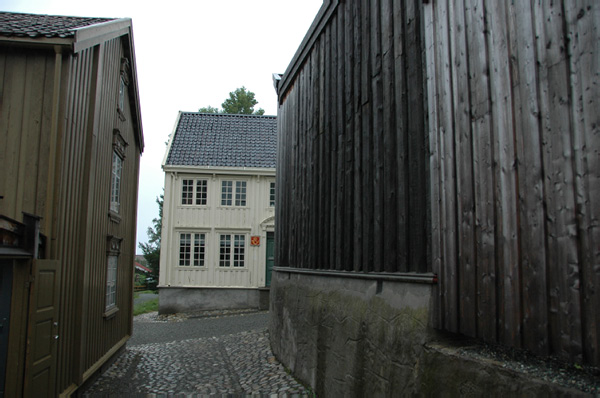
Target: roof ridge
(227,114)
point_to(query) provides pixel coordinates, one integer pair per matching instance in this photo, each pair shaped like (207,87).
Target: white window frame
(234,193)
(111,281)
(113,251)
(116,180)
(195,255)
(272,194)
(233,250)
(197,195)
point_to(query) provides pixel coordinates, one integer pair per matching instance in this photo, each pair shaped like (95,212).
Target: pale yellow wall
(255,219)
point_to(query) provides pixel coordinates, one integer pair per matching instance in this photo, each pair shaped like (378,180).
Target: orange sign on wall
(255,240)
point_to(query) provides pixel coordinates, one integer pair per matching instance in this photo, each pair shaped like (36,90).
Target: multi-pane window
(201,192)
(232,250)
(226,193)
(194,192)
(240,193)
(192,249)
(111,282)
(229,191)
(225,251)
(122,94)
(115,190)
(272,194)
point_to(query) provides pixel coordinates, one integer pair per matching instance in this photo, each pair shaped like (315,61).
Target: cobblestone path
(237,365)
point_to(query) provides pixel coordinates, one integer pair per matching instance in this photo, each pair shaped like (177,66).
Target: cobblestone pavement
(236,365)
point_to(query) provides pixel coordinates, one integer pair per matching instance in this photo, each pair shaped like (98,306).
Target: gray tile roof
(223,140)
(38,26)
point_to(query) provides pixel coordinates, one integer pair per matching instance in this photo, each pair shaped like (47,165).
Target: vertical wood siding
(79,198)
(513,97)
(352,171)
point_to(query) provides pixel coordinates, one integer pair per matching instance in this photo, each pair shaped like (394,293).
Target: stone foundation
(354,337)
(177,299)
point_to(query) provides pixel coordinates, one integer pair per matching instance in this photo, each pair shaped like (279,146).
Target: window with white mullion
(187,192)
(111,282)
(185,249)
(225,251)
(199,249)
(192,249)
(240,193)
(233,193)
(115,192)
(272,195)
(239,250)
(201,192)
(226,193)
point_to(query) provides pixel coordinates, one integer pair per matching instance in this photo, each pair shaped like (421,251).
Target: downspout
(53,155)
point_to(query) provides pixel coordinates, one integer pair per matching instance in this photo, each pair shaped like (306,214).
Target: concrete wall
(172,300)
(356,337)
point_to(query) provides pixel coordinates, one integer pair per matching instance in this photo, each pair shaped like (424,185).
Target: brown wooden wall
(58,118)
(352,167)
(83,221)
(514,130)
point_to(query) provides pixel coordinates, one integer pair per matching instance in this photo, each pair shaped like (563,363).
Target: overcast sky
(190,54)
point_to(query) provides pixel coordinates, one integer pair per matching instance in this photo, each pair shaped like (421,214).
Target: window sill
(114,217)
(110,313)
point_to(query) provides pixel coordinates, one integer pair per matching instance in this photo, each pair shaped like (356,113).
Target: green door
(43,322)
(270,256)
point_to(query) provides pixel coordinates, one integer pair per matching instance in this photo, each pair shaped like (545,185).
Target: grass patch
(137,294)
(148,306)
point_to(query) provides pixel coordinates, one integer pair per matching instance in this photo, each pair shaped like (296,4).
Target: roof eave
(266,171)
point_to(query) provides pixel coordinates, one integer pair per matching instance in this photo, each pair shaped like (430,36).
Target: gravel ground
(581,377)
(221,353)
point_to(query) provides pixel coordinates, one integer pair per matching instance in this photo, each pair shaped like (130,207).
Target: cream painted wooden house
(218,213)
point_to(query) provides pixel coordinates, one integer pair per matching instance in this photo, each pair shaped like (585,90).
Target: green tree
(151,249)
(208,109)
(240,101)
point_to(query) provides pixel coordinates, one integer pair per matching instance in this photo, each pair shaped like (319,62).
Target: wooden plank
(390,168)
(348,142)
(448,172)
(377,133)
(582,21)
(434,159)
(31,132)
(530,185)
(417,192)
(561,224)
(357,155)
(479,85)
(401,137)
(367,143)
(10,125)
(464,168)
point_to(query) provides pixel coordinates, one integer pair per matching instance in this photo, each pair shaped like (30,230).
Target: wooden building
(218,213)
(71,139)
(438,164)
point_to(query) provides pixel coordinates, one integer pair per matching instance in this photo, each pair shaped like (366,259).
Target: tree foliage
(240,101)
(151,249)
